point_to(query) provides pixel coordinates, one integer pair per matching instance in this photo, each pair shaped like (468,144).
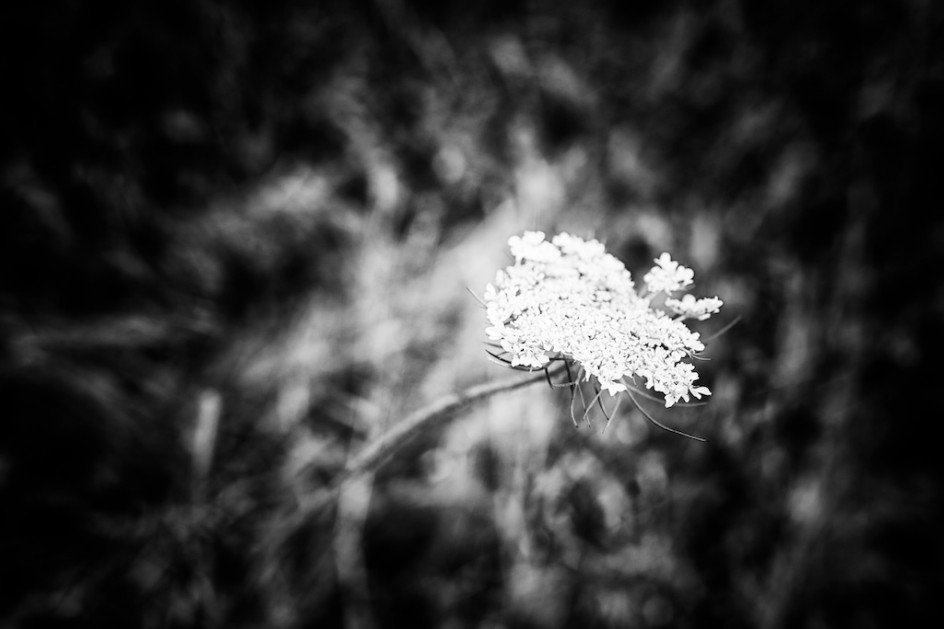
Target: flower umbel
(668,276)
(568,299)
(690,308)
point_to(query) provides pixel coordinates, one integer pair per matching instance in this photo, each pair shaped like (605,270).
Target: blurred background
(235,244)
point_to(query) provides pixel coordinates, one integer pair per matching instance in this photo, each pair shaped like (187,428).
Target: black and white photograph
(383,314)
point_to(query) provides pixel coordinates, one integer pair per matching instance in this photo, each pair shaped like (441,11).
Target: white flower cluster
(690,308)
(568,298)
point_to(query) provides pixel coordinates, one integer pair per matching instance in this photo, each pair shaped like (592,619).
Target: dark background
(263,216)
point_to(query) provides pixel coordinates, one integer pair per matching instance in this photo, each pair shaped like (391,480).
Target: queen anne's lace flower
(568,298)
(668,276)
(531,246)
(691,308)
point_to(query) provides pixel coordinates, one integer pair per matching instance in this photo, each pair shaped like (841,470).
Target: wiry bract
(567,298)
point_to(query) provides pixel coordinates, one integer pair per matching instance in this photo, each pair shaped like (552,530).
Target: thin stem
(376,453)
(477,298)
(723,330)
(573,398)
(589,407)
(600,404)
(657,422)
(583,400)
(616,406)
(564,385)
(573,390)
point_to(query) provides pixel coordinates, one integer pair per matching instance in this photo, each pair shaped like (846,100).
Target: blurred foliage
(235,243)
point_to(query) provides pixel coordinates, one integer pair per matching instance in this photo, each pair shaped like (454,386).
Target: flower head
(568,298)
(531,246)
(668,276)
(690,308)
